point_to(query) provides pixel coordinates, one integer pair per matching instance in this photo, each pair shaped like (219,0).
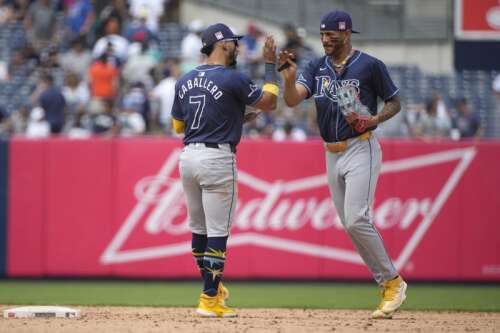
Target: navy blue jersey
(367,74)
(211,101)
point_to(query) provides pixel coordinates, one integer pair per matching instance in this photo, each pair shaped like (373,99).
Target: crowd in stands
(81,68)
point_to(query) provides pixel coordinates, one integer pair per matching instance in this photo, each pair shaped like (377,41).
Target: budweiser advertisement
(115,207)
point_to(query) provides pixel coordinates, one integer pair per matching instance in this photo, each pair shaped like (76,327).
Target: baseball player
(345,84)
(209,108)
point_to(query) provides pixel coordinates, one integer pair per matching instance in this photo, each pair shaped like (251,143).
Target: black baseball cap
(337,20)
(216,33)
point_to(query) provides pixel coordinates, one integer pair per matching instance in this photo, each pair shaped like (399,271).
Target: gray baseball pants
(209,180)
(352,177)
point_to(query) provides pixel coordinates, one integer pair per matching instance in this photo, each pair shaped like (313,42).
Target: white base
(41,312)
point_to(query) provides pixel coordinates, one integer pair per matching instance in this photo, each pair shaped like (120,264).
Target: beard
(336,47)
(232,59)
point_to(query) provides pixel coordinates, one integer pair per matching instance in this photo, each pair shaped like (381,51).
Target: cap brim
(353,31)
(238,37)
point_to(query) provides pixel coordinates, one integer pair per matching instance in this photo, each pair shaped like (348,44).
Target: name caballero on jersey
(200,82)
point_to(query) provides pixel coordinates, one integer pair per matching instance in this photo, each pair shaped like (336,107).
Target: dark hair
(103,57)
(207,50)
(48,78)
(461,100)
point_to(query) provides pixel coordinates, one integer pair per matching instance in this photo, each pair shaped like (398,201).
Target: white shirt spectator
(120,46)
(38,127)
(77,62)
(76,97)
(151,9)
(191,44)
(131,123)
(138,67)
(165,93)
(78,133)
(496,85)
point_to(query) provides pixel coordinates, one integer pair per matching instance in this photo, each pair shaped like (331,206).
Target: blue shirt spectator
(53,103)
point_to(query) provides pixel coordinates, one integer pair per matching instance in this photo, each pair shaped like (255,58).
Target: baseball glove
(250,115)
(355,113)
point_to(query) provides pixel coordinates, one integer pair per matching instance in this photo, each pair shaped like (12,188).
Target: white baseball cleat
(393,295)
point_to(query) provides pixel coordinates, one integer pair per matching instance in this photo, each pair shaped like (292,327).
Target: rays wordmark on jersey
(325,86)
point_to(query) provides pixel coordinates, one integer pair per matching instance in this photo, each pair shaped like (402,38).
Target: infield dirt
(144,319)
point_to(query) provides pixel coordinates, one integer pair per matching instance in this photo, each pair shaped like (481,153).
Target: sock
(213,263)
(199,245)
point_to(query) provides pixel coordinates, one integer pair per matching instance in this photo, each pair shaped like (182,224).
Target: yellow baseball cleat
(212,306)
(223,293)
(393,295)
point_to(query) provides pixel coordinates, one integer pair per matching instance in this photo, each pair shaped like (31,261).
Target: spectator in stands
(110,9)
(104,122)
(496,87)
(414,113)
(79,18)
(441,109)
(137,30)
(77,59)
(79,128)
(288,131)
(53,103)
(31,56)
(396,128)
(153,9)
(4,123)
(103,80)
(428,125)
(295,44)
(164,94)
(18,65)
(38,127)
(7,12)
(18,120)
(112,41)
(50,59)
(136,99)
(139,67)
(251,50)
(40,23)
(465,122)
(191,46)
(130,122)
(75,93)
(21,9)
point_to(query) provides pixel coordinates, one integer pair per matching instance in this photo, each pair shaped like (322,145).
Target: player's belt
(216,146)
(340,146)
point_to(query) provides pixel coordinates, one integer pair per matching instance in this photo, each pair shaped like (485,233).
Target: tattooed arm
(391,107)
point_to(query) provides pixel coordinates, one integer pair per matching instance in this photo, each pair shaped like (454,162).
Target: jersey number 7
(199,101)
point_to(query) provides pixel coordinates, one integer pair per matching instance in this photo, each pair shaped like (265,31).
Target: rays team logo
(326,87)
(293,215)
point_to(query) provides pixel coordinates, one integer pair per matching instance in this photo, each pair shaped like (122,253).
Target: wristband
(271,88)
(270,74)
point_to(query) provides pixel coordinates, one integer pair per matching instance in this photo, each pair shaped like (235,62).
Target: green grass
(246,295)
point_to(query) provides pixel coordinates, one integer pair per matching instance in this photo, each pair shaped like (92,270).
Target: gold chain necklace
(342,64)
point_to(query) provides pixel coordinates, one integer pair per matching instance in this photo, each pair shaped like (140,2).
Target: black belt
(216,146)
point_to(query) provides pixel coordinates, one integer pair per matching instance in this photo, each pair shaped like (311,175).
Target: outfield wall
(115,208)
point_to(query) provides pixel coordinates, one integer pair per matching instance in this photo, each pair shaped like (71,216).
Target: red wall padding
(114,207)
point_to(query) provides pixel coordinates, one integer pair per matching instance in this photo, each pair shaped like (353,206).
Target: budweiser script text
(274,211)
